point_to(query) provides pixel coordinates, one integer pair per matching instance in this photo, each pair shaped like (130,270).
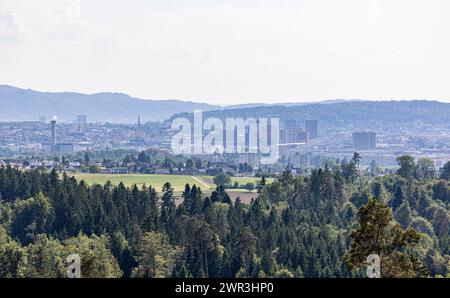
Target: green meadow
(157,181)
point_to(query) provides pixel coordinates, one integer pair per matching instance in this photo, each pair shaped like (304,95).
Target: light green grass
(244,180)
(240,190)
(240,180)
(156,181)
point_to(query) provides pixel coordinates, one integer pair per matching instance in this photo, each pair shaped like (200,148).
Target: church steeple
(139,133)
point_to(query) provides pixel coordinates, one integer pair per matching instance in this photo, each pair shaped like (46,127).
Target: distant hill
(359,114)
(23,105)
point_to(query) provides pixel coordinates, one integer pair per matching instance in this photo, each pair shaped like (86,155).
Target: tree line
(321,225)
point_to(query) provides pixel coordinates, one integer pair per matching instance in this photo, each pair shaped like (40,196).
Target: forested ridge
(320,225)
(379,115)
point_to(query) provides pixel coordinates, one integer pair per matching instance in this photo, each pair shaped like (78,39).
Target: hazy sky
(229,51)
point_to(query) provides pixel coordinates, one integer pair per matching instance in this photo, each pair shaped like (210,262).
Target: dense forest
(323,224)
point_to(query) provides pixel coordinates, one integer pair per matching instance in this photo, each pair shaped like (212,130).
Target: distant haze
(231,51)
(25,105)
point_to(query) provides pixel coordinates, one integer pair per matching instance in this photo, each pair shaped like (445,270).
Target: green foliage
(222,179)
(296,226)
(377,234)
(441,191)
(94,169)
(284,273)
(45,258)
(155,256)
(426,169)
(249,186)
(11,259)
(96,257)
(407,166)
(31,217)
(445,174)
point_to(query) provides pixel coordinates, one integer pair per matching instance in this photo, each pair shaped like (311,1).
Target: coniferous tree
(378,235)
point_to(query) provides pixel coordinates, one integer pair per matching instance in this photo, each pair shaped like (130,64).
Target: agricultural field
(240,180)
(178,182)
(157,181)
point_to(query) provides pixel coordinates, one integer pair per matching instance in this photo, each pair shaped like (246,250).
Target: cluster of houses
(115,167)
(46,164)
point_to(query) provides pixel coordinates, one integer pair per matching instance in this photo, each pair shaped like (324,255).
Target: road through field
(201,182)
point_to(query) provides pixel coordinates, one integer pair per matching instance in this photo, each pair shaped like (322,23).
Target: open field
(240,180)
(157,181)
(245,196)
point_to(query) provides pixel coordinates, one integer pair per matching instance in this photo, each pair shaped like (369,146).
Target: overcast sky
(229,51)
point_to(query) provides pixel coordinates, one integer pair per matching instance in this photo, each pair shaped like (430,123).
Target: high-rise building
(81,122)
(42,119)
(65,148)
(295,135)
(364,140)
(289,123)
(57,148)
(312,128)
(53,137)
(292,138)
